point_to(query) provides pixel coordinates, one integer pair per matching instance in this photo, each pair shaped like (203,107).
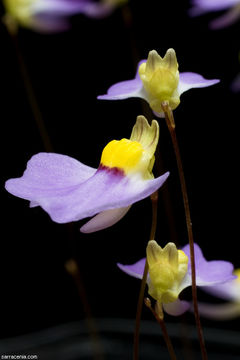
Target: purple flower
(69,190)
(170,273)
(52,15)
(204,6)
(157,80)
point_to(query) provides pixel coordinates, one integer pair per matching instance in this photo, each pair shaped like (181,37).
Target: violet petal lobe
(49,174)
(209,272)
(203,6)
(125,89)
(190,80)
(136,270)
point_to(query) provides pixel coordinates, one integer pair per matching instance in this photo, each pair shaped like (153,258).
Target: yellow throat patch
(134,155)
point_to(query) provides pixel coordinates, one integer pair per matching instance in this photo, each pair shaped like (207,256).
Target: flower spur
(158,80)
(170,273)
(70,191)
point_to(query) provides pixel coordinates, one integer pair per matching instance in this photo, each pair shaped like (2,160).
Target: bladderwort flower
(70,191)
(200,7)
(53,15)
(170,273)
(229,291)
(158,80)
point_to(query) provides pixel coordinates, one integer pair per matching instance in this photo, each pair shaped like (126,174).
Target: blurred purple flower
(176,270)
(229,291)
(204,6)
(52,15)
(235,85)
(157,80)
(69,190)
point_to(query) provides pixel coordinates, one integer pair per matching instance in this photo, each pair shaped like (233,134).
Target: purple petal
(104,220)
(68,191)
(136,270)
(209,272)
(51,15)
(125,89)
(49,174)
(101,192)
(177,307)
(225,20)
(189,80)
(97,10)
(59,7)
(203,6)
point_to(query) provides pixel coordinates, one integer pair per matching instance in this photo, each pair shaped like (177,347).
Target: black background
(67,72)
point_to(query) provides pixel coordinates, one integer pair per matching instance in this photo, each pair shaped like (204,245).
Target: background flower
(200,7)
(159,81)
(208,273)
(229,291)
(53,15)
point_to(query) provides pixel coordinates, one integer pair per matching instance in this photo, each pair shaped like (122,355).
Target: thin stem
(29,91)
(154,198)
(171,127)
(159,317)
(73,269)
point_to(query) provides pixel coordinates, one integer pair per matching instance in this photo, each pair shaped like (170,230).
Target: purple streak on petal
(176,308)
(189,80)
(225,20)
(136,270)
(104,220)
(125,89)
(68,191)
(203,6)
(219,311)
(209,273)
(49,174)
